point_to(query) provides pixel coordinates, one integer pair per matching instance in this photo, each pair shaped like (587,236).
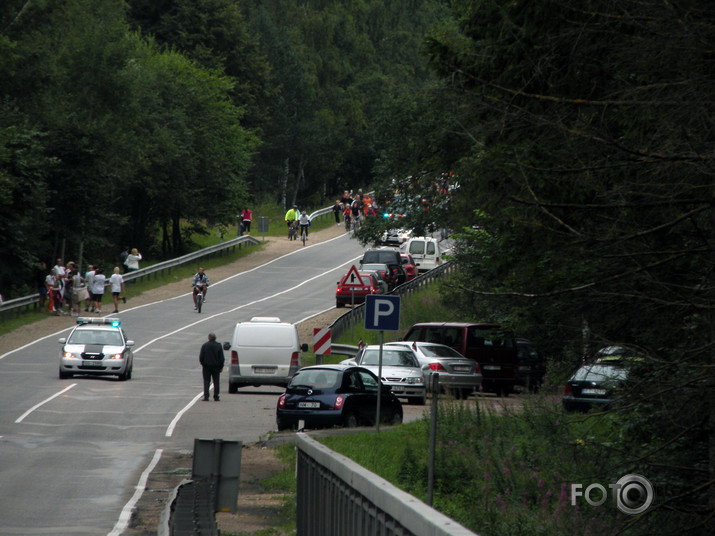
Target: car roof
(456,324)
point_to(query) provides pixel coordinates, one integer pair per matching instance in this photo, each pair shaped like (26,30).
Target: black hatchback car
(594,385)
(335,395)
(389,256)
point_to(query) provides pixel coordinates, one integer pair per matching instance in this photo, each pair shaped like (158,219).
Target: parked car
(401,370)
(457,374)
(425,251)
(382,271)
(97,347)
(335,395)
(264,351)
(532,367)
(594,386)
(489,344)
(353,292)
(395,237)
(408,264)
(389,256)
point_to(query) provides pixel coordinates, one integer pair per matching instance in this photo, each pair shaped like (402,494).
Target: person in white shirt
(132,262)
(116,281)
(304,222)
(89,281)
(98,289)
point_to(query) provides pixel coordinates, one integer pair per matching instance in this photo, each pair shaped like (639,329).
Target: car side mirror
(227,345)
(130,343)
(304,347)
(62,340)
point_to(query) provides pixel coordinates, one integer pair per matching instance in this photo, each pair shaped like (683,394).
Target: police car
(97,347)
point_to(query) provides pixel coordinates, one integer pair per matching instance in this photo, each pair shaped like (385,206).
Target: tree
(594,188)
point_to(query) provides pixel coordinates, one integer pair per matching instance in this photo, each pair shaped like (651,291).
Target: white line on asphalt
(126,514)
(33,408)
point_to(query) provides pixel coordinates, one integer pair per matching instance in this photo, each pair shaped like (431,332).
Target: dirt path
(258,512)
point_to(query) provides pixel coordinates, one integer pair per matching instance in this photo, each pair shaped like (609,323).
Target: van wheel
(232,388)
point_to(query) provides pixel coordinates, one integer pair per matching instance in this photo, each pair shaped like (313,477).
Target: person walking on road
(212,361)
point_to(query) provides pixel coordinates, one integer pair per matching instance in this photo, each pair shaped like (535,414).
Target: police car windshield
(103,337)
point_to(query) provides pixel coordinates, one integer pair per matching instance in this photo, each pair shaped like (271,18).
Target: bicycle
(304,233)
(292,232)
(347,224)
(199,291)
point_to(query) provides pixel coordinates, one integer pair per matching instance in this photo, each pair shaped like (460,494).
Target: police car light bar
(114,322)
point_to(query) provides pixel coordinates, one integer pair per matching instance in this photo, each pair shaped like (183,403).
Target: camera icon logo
(634,494)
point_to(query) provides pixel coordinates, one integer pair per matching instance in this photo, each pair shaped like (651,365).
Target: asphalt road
(74,453)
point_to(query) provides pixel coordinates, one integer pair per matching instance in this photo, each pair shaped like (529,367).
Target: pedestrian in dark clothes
(212,361)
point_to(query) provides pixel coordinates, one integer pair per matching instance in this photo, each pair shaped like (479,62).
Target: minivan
(425,251)
(490,345)
(264,351)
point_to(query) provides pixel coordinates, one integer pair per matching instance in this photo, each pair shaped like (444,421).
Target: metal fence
(336,496)
(14,308)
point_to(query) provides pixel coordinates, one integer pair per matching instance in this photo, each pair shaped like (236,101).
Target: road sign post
(381,313)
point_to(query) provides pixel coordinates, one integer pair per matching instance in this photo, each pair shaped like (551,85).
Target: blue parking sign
(382,313)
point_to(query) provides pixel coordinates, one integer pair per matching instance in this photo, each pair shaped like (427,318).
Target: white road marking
(33,408)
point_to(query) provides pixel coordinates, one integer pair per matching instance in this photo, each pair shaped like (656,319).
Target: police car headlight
(116,356)
(69,355)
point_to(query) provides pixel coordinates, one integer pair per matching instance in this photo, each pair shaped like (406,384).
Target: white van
(425,251)
(264,351)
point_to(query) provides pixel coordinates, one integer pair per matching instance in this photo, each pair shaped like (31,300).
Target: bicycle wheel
(199,302)
(304,236)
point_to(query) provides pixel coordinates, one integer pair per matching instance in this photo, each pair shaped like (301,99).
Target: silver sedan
(400,370)
(457,374)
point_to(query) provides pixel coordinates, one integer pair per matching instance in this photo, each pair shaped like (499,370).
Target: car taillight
(478,369)
(567,390)
(374,290)
(338,402)
(282,402)
(295,360)
(338,290)
(437,366)
(234,357)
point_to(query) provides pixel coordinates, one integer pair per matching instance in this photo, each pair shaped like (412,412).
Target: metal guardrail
(14,308)
(357,314)
(336,496)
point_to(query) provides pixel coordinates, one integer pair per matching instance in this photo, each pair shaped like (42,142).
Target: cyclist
(291,217)
(200,283)
(304,222)
(347,215)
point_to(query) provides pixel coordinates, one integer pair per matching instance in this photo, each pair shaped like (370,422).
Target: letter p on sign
(382,313)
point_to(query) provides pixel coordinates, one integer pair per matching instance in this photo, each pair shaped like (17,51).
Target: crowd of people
(353,208)
(64,289)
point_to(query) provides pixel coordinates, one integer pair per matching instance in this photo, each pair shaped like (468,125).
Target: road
(74,453)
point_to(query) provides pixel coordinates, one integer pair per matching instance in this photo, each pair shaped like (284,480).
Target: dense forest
(577,137)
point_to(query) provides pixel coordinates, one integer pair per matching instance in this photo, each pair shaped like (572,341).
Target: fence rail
(14,308)
(335,495)
(357,314)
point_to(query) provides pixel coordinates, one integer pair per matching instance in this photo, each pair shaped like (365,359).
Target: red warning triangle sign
(352,279)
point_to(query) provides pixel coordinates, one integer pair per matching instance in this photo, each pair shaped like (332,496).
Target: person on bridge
(212,362)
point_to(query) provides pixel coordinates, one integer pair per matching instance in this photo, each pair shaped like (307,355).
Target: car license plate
(491,367)
(264,370)
(91,363)
(461,368)
(593,391)
(308,404)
